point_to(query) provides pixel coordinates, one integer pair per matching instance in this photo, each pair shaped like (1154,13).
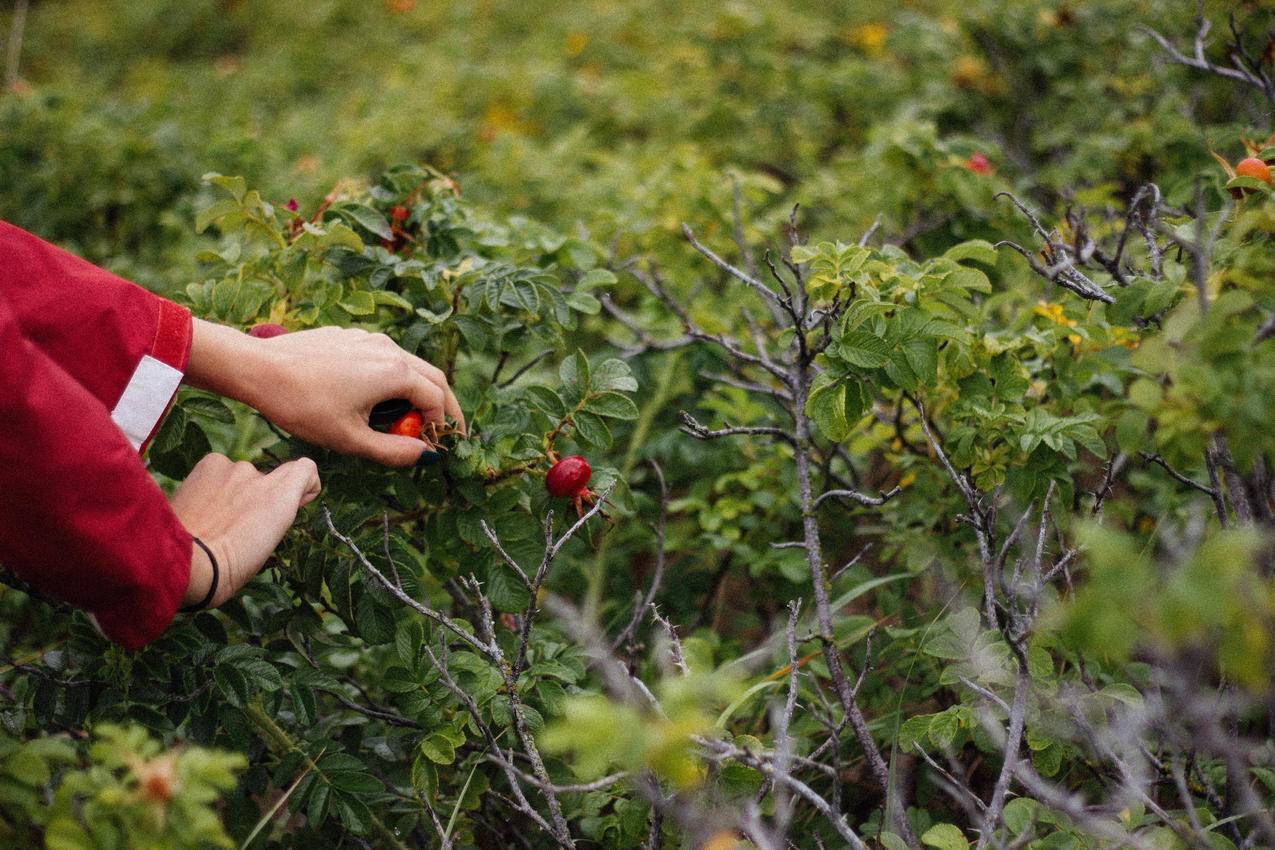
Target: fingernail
(429,457)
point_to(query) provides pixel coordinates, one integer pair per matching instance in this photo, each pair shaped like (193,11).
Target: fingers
(300,478)
(436,377)
(425,395)
(389,449)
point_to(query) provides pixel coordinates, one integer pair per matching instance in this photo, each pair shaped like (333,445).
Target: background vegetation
(1018,328)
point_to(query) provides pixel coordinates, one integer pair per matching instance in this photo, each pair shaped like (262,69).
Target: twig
(692,426)
(861,498)
(398,592)
(647,602)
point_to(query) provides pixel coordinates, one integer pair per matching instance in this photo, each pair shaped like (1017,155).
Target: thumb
(300,480)
(390,449)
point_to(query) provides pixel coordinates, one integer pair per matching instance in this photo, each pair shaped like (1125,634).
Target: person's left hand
(321,385)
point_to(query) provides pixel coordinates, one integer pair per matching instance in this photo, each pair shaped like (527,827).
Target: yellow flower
(870,38)
(576,43)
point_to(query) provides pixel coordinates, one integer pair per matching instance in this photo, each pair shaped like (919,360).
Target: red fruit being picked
(1255,168)
(265,330)
(410,425)
(568,477)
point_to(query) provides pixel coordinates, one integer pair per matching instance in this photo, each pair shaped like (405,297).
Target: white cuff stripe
(145,399)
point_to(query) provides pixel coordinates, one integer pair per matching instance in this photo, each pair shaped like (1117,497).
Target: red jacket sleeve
(88,365)
(126,346)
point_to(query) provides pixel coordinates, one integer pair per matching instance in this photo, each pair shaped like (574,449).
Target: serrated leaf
(1251,183)
(596,278)
(236,186)
(368,218)
(583,302)
(209,408)
(865,350)
(1019,814)
(945,836)
(826,405)
(359,303)
(547,400)
(943,729)
(978,250)
(592,430)
(973,280)
(612,406)
(613,374)
(574,373)
(438,749)
(212,213)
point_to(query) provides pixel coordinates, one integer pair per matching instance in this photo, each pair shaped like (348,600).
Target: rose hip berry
(1255,168)
(979,164)
(568,477)
(265,330)
(409,425)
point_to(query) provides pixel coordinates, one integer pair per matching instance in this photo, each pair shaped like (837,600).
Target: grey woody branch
(1243,68)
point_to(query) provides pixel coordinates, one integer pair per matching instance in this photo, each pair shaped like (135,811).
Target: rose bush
(947,530)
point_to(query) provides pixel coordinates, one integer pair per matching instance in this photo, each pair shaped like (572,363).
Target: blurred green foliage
(571,140)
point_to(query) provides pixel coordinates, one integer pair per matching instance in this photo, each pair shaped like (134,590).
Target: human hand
(240,514)
(321,385)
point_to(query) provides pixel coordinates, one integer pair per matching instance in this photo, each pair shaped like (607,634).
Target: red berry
(157,778)
(979,164)
(1255,168)
(399,213)
(291,204)
(568,477)
(409,425)
(265,330)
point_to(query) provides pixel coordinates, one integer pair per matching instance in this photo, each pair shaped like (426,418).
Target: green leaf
(613,374)
(945,836)
(973,280)
(865,350)
(438,749)
(943,729)
(1251,183)
(612,406)
(391,299)
(27,767)
(232,684)
(236,186)
(826,405)
(360,303)
(574,373)
(592,430)
(583,302)
(210,408)
(547,400)
(597,277)
(368,218)
(210,214)
(1019,814)
(978,250)
(441,316)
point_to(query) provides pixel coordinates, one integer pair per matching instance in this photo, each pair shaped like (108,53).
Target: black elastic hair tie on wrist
(212,588)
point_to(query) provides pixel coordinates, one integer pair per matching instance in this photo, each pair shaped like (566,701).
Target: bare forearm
(228,362)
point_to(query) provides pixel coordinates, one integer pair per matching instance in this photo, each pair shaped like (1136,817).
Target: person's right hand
(241,514)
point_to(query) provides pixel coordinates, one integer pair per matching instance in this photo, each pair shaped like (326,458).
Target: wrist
(228,362)
(201,576)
